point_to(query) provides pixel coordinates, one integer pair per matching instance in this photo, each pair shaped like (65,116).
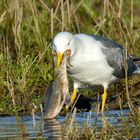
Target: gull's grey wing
(107,42)
(116,57)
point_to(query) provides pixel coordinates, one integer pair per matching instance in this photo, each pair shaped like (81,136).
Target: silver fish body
(56,93)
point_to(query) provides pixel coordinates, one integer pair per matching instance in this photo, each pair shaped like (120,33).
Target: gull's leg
(104,97)
(73,97)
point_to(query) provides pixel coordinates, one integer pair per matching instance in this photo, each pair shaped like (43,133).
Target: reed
(26,32)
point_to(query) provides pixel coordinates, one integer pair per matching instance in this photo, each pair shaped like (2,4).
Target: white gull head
(62,42)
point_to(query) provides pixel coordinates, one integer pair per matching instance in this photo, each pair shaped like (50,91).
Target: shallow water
(52,129)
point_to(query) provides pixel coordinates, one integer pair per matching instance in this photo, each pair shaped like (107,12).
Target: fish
(56,93)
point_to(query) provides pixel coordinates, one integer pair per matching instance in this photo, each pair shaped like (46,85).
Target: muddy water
(53,129)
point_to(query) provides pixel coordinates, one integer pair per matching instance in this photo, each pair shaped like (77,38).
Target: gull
(94,60)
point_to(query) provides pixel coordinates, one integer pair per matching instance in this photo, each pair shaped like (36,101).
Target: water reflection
(55,129)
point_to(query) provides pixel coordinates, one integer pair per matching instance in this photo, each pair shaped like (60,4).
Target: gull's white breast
(89,63)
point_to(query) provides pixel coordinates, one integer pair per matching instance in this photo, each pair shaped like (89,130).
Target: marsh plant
(26,30)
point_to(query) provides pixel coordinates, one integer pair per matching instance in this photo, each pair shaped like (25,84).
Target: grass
(89,131)
(27,29)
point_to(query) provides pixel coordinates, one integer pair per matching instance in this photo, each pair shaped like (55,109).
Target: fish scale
(57,91)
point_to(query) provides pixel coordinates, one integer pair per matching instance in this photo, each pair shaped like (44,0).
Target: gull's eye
(68,43)
(54,53)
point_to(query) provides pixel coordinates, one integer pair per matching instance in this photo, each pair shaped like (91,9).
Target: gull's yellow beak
(59,58)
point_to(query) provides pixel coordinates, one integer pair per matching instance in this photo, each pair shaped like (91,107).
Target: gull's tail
(135,59)
(137,71)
